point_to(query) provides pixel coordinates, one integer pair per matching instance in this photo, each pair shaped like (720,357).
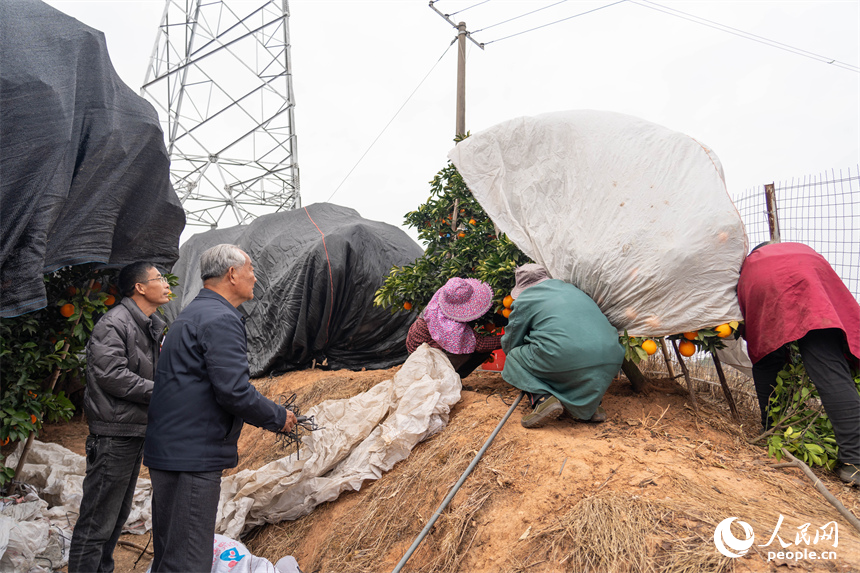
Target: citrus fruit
(473,222)
(508,301)
(71,291)
(67,309)
(110,300)
(506,312)
(723,330)
(461,234)
(97,286)
(407,305)
(686,348)
(691,335)
(649,346)
(5,441)
(33,418)
(490,327)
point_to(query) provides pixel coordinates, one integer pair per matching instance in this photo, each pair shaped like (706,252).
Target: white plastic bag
(635,215)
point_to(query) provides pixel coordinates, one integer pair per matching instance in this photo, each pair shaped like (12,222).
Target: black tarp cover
(84,172)
(317,271)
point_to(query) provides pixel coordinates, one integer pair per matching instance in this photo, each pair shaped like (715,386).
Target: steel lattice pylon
(221,79)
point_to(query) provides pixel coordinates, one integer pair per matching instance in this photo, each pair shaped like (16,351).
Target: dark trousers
(184,509)
(465,364)
(828,369)
(113,464)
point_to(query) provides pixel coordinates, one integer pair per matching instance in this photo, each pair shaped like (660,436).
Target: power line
(742,34)
(520,16)
(391,120)
(467,8)
(555,22)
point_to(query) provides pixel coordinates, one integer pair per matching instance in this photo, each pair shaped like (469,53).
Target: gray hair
(216,261)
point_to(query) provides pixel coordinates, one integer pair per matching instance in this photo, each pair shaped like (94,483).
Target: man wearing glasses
(121,357)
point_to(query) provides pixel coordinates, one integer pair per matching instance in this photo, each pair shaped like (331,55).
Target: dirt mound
(642,492)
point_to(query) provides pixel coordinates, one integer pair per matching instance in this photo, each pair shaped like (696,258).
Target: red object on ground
(496,362)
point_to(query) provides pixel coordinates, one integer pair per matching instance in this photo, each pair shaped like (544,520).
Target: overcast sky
(769,114)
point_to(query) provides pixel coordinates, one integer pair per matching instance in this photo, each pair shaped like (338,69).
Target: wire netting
(820,211)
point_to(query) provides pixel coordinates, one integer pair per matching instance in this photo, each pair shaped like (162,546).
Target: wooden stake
(823,490)
(686,372)
(726,390)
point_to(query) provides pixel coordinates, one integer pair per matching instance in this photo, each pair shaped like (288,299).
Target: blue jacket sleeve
(226,356)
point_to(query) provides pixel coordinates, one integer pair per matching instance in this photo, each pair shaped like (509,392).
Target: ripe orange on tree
(506,312)
(691,335)
(67,309)
(110,300)
(723,330)
(407,305)
(508,301)
(686,348)
(473,222)
(71,291)
(33,418)
(649,346)
(461,234)
(6,441)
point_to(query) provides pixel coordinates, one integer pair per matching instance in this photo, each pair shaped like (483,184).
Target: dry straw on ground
(395,510)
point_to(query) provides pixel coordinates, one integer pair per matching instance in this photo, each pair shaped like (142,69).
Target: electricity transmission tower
(221,79)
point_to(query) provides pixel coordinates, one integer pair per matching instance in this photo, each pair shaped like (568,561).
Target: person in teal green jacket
(561,349)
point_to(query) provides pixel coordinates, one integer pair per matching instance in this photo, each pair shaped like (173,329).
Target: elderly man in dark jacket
(121,357)
(201,399)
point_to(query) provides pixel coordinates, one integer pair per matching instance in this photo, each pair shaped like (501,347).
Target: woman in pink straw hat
(445,324)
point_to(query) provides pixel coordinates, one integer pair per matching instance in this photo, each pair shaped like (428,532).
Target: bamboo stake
(686,372)
(823,490)
(726,390)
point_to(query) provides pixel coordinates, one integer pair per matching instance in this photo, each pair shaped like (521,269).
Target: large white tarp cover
(363,437)
(634,214)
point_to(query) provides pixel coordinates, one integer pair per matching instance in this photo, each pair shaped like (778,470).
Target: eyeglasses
(158,278)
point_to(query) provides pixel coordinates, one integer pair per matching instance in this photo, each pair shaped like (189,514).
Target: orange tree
(40,348)
(459,240)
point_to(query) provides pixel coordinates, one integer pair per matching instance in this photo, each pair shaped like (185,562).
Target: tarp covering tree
(85,172)
(317,270)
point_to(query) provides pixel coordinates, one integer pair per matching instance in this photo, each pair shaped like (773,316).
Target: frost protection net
(632,213)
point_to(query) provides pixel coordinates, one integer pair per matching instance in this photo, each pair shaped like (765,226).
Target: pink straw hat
(465,299)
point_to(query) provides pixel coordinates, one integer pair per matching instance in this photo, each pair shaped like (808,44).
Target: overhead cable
(467,8)
(742,34)
(391,120)
(555,22)
(518,17)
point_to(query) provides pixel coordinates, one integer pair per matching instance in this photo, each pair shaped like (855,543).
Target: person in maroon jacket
(787,292)
(445,324)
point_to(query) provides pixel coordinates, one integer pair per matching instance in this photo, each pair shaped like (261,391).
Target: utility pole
(461,79)
(462,34)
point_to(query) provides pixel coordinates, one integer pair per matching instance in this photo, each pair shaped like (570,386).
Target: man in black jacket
(201,399)
(121,357)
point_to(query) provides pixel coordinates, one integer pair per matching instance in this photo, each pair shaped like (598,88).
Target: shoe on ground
(850,474)
(546,409)
(599,416)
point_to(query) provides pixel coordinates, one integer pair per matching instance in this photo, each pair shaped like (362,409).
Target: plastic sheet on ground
(231,556)
(318,269)
(85,172)
(363,437)
(36,529)
(632,213)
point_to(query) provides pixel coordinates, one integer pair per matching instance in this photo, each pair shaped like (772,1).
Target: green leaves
(799,422)
(460,241)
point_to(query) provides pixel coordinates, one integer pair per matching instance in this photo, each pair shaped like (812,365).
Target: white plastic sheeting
(635,215)
(363,437)
(35,530)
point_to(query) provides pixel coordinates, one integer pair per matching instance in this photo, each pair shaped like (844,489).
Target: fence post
(772,217)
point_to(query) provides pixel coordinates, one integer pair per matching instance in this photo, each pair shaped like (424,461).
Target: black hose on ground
(456,487)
